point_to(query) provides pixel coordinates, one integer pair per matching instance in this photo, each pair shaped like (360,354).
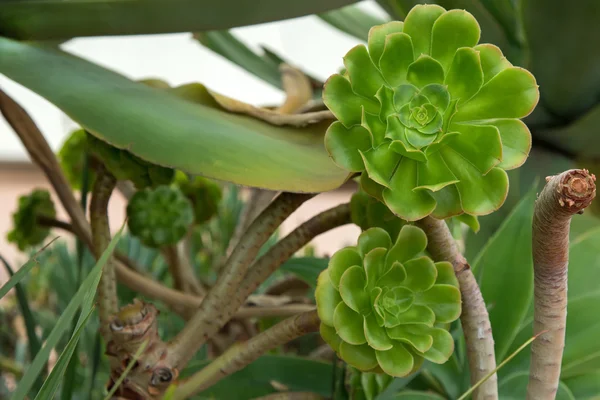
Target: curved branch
(474,318)
(240,355)
(563,196)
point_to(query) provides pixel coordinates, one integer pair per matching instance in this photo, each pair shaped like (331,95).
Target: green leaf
(378,35)
(416,395)
(330,337)
(20,274)
(465,76)
(55,19)
(397,361)
(376,335)
(442,348)
(451,31)
(349,325)
(373,238)
(481,145)
(421,274)
(504,266)
(411,241)
(381,162)
(353,290)
(514,387)
(234,148)
(352,20)
(413,335)
(327,298)
(492,60)
(424,71)
(396,58)
(418,24)
(375,266)
(585,387)
(365,78)
(346,105)
(444,301)
(341,261)
(361,357)
(516,142)
(581,353)
(83,298)
(434,174)
(345,145)
(393,277)
(305,268)
(445,274)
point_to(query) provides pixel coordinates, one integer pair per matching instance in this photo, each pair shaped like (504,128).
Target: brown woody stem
(217,308)
(182,271)
(563,196)
(475,319)
(108,303)
(240,355)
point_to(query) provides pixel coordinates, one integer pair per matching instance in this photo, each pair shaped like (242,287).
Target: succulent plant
(27,231)
(126,166)
(160,216)
(385,307)
(72,156)
(430,117)
(368,212)
(204,194)
(367,385)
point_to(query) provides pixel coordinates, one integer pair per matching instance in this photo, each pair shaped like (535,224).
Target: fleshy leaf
(372,239)
(413,335)
(444,301)
(340,262)
(375,127)
(512,93)
(364,76)
(375,266)
(481,145)
(465,76)
(385,95)
(425,70)
(371,187)
(492,60)
(437,95)
(420,274)
(417,139)
(434,174)
(393,277)
(380,163)
(377,38)
(418,24)
(402,199)
(346,105)
(445,274)
(405,149)
(411,241)
(480,195)
(516,142)
(447,202)
(330,337)
(403,94)
(327,298)
(344,145)
(397,361)
(396,57)
(396,300)
(348,325)
(376,335)
(451,31)
(361,357)
(353,290)
(442,348)
(417,314)
(470,220)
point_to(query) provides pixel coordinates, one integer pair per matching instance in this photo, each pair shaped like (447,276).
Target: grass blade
(84,295)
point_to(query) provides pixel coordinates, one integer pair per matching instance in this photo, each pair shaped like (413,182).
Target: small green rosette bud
(71,157)
(204,194)
(430,117)
(385,307)
(159,217)
(27,232)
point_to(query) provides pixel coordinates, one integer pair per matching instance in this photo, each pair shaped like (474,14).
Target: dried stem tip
(575,189)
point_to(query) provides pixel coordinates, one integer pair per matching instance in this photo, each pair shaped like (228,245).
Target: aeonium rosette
(429,116)
(385,307)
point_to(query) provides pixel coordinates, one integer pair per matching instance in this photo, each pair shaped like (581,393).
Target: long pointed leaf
(59,19)
(171,131)
(352,20)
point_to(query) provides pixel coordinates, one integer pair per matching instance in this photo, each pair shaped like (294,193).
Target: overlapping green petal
(382,304)
(433,115)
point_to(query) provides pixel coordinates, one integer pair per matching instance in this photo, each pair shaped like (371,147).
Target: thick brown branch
(563,196)
(238,356)
(475,319)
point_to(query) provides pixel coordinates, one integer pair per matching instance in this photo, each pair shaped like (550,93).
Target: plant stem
(240,355)
(217,308)
(184,278)
(563,196)
(475,319)
(108,303)
(292,396)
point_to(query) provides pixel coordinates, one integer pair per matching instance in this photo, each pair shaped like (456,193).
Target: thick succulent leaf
(425,70)
(451,31)
(445,274)
(434,174)
(346,105)
(481,145)
(465,76)
(492,60)
(327,298)
(393,277)
(376,335)
(376,128)
(447,202)
(396,361)
(234,148)
(353,290)
(479,195)
(418,24)
(364,76)
(344,145)
(361,357)
(416,314)
(396,58)
(411,241)
(385,95)
(377,38)
(375,266)
(348,325)
(371,239)
(371,187)
(469,220)
(421,274)
(340,262)
(512,93)
(444,301)
(437,95)
(352,20)
(442,348)
(415,335)
(330,337)
(402,200)
(516,142)
(380,163)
